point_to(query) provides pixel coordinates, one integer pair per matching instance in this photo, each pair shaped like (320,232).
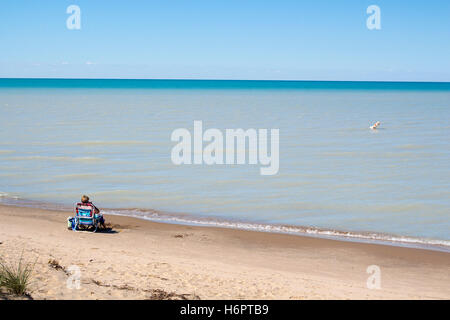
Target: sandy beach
(146,260)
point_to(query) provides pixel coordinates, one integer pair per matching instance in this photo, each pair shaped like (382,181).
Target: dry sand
(143,259)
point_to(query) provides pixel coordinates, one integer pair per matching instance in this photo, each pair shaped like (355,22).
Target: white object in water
(373,127)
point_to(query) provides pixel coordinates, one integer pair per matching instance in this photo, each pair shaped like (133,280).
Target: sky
(233,39)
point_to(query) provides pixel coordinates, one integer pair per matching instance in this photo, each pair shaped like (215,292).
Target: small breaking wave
(6,196)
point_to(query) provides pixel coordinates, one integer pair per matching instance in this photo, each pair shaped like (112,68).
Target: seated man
(85,202)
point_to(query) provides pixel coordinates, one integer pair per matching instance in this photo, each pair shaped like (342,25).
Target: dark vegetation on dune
(15,278)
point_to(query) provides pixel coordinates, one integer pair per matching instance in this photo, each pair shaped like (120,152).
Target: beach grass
(15,278)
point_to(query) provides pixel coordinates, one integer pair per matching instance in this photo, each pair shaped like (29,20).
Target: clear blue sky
(233,39)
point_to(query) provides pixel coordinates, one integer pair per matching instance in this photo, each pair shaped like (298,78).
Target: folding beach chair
(85,217)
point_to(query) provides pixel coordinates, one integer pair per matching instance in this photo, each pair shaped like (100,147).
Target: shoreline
(211,262)
(370,237)
(376,238)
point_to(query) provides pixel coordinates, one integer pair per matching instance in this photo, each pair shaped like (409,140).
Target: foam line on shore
(369,237)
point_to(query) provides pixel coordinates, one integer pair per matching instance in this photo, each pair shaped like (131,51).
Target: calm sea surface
(60,139)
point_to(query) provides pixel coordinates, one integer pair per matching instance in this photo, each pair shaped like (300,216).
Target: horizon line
(218,79)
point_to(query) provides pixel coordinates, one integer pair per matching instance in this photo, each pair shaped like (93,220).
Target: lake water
(111,140)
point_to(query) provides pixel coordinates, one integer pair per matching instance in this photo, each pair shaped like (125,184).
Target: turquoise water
(220,84)
(110,139)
